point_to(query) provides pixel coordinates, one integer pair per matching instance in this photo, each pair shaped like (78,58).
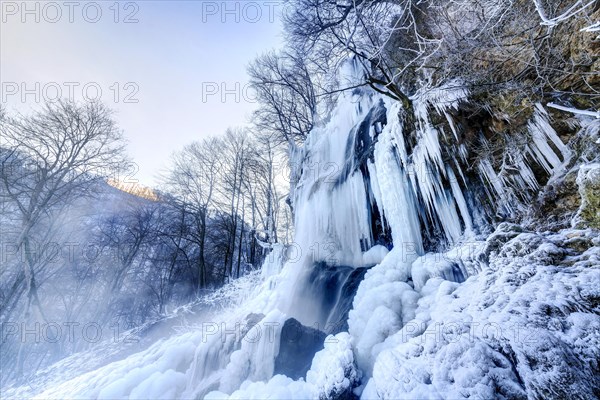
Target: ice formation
(423,324)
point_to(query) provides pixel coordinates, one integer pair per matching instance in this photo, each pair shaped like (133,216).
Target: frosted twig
(595,114)
(564,16)
(595,27)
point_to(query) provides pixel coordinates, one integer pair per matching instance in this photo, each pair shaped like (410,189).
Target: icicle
(493,181)
(397,205)
(542,133)
(460,201)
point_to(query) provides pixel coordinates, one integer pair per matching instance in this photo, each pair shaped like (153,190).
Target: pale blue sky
(176,50)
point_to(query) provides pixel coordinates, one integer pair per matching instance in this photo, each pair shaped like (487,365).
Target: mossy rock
(588,180)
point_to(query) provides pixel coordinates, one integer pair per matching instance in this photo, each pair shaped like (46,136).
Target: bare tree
(263,188)
(129,237)
(285,90)
(327,32)
(192,179)
(235,152)
(48,160)
(403,45)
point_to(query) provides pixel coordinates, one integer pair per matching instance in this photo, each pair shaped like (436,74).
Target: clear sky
(174,71)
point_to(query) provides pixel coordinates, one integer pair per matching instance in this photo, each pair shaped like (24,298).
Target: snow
(153,373)
(333,370)
(384,301)
(374,255)
(430,266)
(477,330)
(278,387)
(256,358)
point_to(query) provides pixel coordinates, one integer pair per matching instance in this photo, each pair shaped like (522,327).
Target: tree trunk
(240,240)
(202,270)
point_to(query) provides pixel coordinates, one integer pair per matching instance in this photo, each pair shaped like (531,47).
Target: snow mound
(527,326)
(333,372)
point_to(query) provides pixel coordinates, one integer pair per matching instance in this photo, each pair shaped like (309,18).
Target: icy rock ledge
(297,347)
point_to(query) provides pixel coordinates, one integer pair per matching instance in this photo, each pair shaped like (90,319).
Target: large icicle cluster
(409,177)
(542,146)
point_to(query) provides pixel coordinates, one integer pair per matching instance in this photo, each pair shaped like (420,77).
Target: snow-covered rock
(527,326)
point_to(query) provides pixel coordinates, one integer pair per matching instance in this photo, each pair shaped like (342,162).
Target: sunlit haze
(174,71)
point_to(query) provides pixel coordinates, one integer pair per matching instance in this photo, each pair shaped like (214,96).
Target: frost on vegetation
(234,293)
(595,27)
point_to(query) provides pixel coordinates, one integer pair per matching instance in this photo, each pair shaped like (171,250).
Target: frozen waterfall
(369,200)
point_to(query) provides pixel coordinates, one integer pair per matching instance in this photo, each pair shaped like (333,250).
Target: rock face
(557,204)
(588,181)
(297,347)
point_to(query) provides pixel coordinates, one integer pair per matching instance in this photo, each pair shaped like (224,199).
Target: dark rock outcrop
(297,347)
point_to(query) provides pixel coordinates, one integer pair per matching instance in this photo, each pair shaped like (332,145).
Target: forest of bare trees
(82,243)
